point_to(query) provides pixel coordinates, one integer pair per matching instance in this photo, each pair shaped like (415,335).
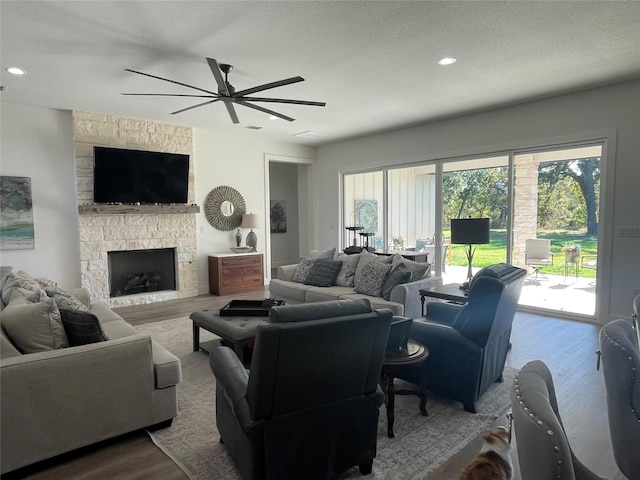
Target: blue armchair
(468,343)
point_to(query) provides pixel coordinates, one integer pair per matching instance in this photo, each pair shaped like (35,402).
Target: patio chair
(590,262)
(538,254)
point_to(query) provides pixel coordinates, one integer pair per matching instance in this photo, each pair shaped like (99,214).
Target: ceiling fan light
(311,135)
(447,61)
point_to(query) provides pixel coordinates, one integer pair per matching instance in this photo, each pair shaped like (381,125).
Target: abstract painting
(16,214)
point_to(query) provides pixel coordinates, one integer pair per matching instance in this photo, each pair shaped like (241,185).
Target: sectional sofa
(391,282)
(65,385)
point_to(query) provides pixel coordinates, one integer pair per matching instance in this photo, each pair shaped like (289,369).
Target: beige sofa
(403,299)
(59,399)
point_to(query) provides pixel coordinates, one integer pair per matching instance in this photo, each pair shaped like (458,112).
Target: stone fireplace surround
(135,230)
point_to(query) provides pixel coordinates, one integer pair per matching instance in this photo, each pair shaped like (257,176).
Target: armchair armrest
(232,380)
(440,312)
(409,295)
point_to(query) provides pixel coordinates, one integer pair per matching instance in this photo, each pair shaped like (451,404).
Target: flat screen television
(132,176)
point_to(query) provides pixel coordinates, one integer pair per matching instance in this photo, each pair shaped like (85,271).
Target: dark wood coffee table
(415,355)
(450,292)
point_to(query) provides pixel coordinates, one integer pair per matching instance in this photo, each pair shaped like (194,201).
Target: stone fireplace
(109,229)
(141,271)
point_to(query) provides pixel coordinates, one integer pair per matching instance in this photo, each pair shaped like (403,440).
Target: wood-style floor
(567,347)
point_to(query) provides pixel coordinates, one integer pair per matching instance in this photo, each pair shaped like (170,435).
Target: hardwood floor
(567,347)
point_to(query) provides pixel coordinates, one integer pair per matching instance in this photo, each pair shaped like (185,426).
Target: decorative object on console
(238,238)
(224,208)
(250,220)
(469,232)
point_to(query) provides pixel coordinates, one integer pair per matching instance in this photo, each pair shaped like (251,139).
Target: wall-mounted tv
(131,176)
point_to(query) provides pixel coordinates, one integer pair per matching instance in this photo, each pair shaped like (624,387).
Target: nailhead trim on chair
(533,416)
(633,371)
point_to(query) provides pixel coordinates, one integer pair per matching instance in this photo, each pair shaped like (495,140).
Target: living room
(39,141)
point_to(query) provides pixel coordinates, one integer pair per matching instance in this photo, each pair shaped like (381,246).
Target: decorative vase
(238,238)
(571,257)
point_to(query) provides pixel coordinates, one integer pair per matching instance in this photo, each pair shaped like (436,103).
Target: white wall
(239,162)
(610,112)
(283,185)
(38,143)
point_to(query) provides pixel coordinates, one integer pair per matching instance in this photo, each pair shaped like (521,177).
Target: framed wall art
(16,214)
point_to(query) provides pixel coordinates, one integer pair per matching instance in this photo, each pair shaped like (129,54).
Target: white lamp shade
(249,220)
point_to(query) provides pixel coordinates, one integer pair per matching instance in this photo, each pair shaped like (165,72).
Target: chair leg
(470,407)
(366,468)
(537,275)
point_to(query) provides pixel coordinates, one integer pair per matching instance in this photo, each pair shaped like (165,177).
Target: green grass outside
(495,251)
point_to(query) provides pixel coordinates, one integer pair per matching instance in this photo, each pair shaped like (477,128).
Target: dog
(494,460)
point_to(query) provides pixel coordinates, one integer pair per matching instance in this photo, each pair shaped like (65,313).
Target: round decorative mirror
(224,207)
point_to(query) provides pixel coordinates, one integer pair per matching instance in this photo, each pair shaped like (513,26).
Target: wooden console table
(231,273)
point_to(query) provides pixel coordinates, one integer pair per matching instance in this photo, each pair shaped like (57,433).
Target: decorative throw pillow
(46,281)
(347,275)
(19,279)
(34,327)
(372,278)
(65,300)
(302,270)
(323,272)
(365,258)
(24,296)
(397,276)
(418,269)
(323,253)
(82,327)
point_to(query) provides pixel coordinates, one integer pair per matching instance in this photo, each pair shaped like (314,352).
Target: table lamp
(250,220)
(469,232)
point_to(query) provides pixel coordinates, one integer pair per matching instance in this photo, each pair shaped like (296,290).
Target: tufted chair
(543,449)
(621,368)
(468,343)
(309,406)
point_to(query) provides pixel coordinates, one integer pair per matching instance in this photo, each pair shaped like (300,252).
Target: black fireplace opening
(140,271)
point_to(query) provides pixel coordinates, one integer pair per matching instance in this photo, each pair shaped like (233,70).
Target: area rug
(421,444)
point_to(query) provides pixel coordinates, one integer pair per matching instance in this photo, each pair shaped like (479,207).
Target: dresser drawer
(235,274)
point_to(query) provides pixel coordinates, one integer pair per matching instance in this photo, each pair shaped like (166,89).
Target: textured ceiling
(373,62)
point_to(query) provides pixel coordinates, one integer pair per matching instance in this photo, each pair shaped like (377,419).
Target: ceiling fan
(228,95)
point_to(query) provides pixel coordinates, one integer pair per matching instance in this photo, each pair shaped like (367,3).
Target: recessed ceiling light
(16,71)
(273,117)
(311,135)
(447,61)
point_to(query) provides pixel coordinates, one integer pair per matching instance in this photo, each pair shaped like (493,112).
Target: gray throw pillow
(302,270)
(34,327)
(372,278)
(365,258)
(397,276)
(65,300)
(347,275)
(330,253)
(323,272)
(418,270)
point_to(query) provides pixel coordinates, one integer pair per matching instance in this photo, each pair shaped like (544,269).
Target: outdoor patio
(565,294)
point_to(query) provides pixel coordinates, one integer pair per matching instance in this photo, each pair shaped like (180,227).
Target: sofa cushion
(323,272)
(34,327)
(330,253)
(65,300)
(302,270)
(397,276)
(7,349)
(292,291)
(372,277)
(347,275)
(82,327)
(418,270)
(326,294)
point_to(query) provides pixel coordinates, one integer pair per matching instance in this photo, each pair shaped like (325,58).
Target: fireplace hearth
(133,272)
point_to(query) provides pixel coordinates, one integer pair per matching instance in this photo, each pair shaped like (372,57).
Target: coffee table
(416,354)
(237,332)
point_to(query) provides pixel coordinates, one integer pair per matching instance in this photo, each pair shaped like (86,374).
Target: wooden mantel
(101,209)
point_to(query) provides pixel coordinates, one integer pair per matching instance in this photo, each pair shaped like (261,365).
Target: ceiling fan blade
(267,86)
(280,100)
(232,111)
(195,106)
(265,110)
(217,74)
(169,95)
(171,81)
